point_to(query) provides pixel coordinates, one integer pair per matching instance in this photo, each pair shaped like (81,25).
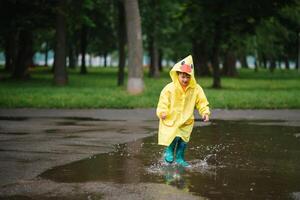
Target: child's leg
(181,146)
(169,151)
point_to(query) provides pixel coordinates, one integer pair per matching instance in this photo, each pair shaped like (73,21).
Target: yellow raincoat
(179,105)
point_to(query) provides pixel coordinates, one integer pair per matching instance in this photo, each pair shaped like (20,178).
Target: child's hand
(163,115)
(205,118)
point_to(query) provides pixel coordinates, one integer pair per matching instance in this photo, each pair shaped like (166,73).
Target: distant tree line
(215,32)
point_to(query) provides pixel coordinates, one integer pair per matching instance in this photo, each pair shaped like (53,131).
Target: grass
(98,89)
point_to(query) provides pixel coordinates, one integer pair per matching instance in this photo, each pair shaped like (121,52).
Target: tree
(151,15)
(216,23)
(10,51)
(270,41)
(20,20)
(164,32)
(289,18)
(121,42)
(83,46)
(60,72)
(24,22)
(103,27)
(199,34)
(24,55)
(135,83)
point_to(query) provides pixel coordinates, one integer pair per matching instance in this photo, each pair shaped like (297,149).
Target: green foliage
(165,21)
(292,14)
(268,28)
(98,89)
(103,35)
(270,38)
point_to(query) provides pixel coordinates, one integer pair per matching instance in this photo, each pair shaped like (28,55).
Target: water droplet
(297,135)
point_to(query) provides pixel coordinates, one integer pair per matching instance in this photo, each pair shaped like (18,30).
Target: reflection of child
(175,110)
(173,176)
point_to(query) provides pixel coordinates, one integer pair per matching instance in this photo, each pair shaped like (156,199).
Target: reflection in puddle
(13,133)
(229,160)
(2,118)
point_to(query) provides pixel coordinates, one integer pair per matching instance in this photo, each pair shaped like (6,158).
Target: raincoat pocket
(189,122)
(170,120)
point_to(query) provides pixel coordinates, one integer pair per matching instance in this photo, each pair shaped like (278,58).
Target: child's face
(184,79)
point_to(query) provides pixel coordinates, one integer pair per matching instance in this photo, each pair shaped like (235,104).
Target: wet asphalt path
(34,140)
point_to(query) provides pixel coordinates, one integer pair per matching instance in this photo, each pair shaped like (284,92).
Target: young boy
(175,110)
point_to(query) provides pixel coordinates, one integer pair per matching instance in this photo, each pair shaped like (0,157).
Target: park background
(117,54)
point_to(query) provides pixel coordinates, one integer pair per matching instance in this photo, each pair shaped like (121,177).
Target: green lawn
(98,89)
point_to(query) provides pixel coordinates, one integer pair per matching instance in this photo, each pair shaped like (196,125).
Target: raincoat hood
(185,65)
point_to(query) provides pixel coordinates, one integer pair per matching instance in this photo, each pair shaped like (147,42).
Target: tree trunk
(298,59)
(122,43)
(153,42)
(77,57)
(244,62)
(135,83)
(256,65)
(83,49)
(154,58)
(200,58)
(53,65)
(11,51)
(24,55)
(90,60)
(46,54)
(196,59)
(216,70)
(60,72)
(215,57)
(272,65)
(286,62)
(72,58)
(105,59)
(264,61)
(160,67)
(72,55)
(229,68)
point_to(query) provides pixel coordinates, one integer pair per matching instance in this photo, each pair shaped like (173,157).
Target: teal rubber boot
(181,146)
(169,151)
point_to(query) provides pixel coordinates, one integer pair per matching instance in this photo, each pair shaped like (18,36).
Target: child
(175,110)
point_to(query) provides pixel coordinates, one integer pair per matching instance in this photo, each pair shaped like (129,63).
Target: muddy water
(229,160)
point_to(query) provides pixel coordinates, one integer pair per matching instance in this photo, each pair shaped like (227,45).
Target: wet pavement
(104,157)
(28,146)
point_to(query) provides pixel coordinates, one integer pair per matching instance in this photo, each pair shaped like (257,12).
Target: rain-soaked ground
(229,160)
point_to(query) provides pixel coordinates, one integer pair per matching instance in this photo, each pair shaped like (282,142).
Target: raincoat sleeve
(163,103)
(202,103)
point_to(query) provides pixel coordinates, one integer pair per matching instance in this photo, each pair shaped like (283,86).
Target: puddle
(13,133)
(52,131)
(13,118)
(71,121)
(229,160)
(77,197)
(91,119)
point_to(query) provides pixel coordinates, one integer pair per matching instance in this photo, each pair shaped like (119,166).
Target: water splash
(198,165)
